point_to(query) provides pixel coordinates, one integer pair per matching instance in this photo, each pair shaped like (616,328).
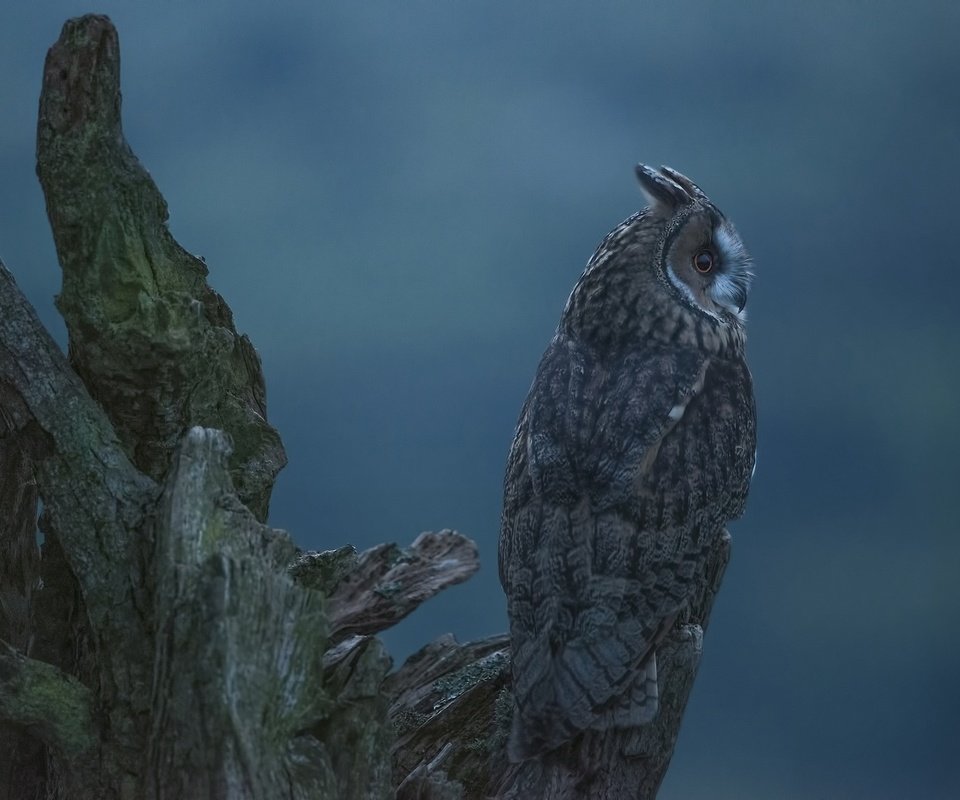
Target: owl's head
(700,254)
(678,259)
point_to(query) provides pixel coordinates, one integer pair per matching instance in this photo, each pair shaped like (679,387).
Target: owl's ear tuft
(692,190)
(666,187)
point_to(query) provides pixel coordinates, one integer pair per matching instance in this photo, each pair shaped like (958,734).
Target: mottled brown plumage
(635,446)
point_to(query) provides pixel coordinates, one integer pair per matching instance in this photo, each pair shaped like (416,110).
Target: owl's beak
(740,297)
(730,290)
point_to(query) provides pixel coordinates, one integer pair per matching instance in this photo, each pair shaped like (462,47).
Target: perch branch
(370,592)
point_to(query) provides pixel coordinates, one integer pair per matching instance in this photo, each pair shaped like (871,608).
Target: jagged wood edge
(87,56)
(372,591)
(239,681)
(109,225)
(83,474)
(154,343)
(208,552)
(91,492)
(40,391)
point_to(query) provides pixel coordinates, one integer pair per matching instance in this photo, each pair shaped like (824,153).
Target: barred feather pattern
(634,448)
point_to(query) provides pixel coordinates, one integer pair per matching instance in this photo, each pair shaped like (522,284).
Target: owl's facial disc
(707,263)
(731,284)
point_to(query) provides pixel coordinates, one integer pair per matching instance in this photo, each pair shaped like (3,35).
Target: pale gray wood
(238,675)
(374,590)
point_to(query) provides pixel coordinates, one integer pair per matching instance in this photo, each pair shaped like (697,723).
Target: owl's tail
(554,725)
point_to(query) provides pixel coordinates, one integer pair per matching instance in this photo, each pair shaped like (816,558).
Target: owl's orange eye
(703,261)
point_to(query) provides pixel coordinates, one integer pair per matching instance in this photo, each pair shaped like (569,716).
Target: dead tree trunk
(164,642)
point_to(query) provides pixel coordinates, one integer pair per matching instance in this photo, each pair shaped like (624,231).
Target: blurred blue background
(396,198)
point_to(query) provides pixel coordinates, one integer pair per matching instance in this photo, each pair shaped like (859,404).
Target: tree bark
(153,343)
(164,642)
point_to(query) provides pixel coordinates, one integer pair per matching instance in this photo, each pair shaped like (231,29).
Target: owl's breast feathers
(622,474)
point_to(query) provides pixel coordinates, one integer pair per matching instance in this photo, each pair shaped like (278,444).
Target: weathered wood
(95,499)
(370,592)
(451,711)
(356,731)
(151,340)
(19,554)
(238,674)
(201,631)
(96,496)
(54,706)
(19,582)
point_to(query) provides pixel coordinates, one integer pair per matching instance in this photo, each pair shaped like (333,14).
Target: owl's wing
(586,601)
(592,428)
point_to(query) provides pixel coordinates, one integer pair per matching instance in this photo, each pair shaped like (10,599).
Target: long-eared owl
(635,446)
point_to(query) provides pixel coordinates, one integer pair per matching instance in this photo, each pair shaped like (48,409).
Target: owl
(635,446)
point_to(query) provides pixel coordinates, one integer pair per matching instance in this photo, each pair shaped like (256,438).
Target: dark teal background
(396,198)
